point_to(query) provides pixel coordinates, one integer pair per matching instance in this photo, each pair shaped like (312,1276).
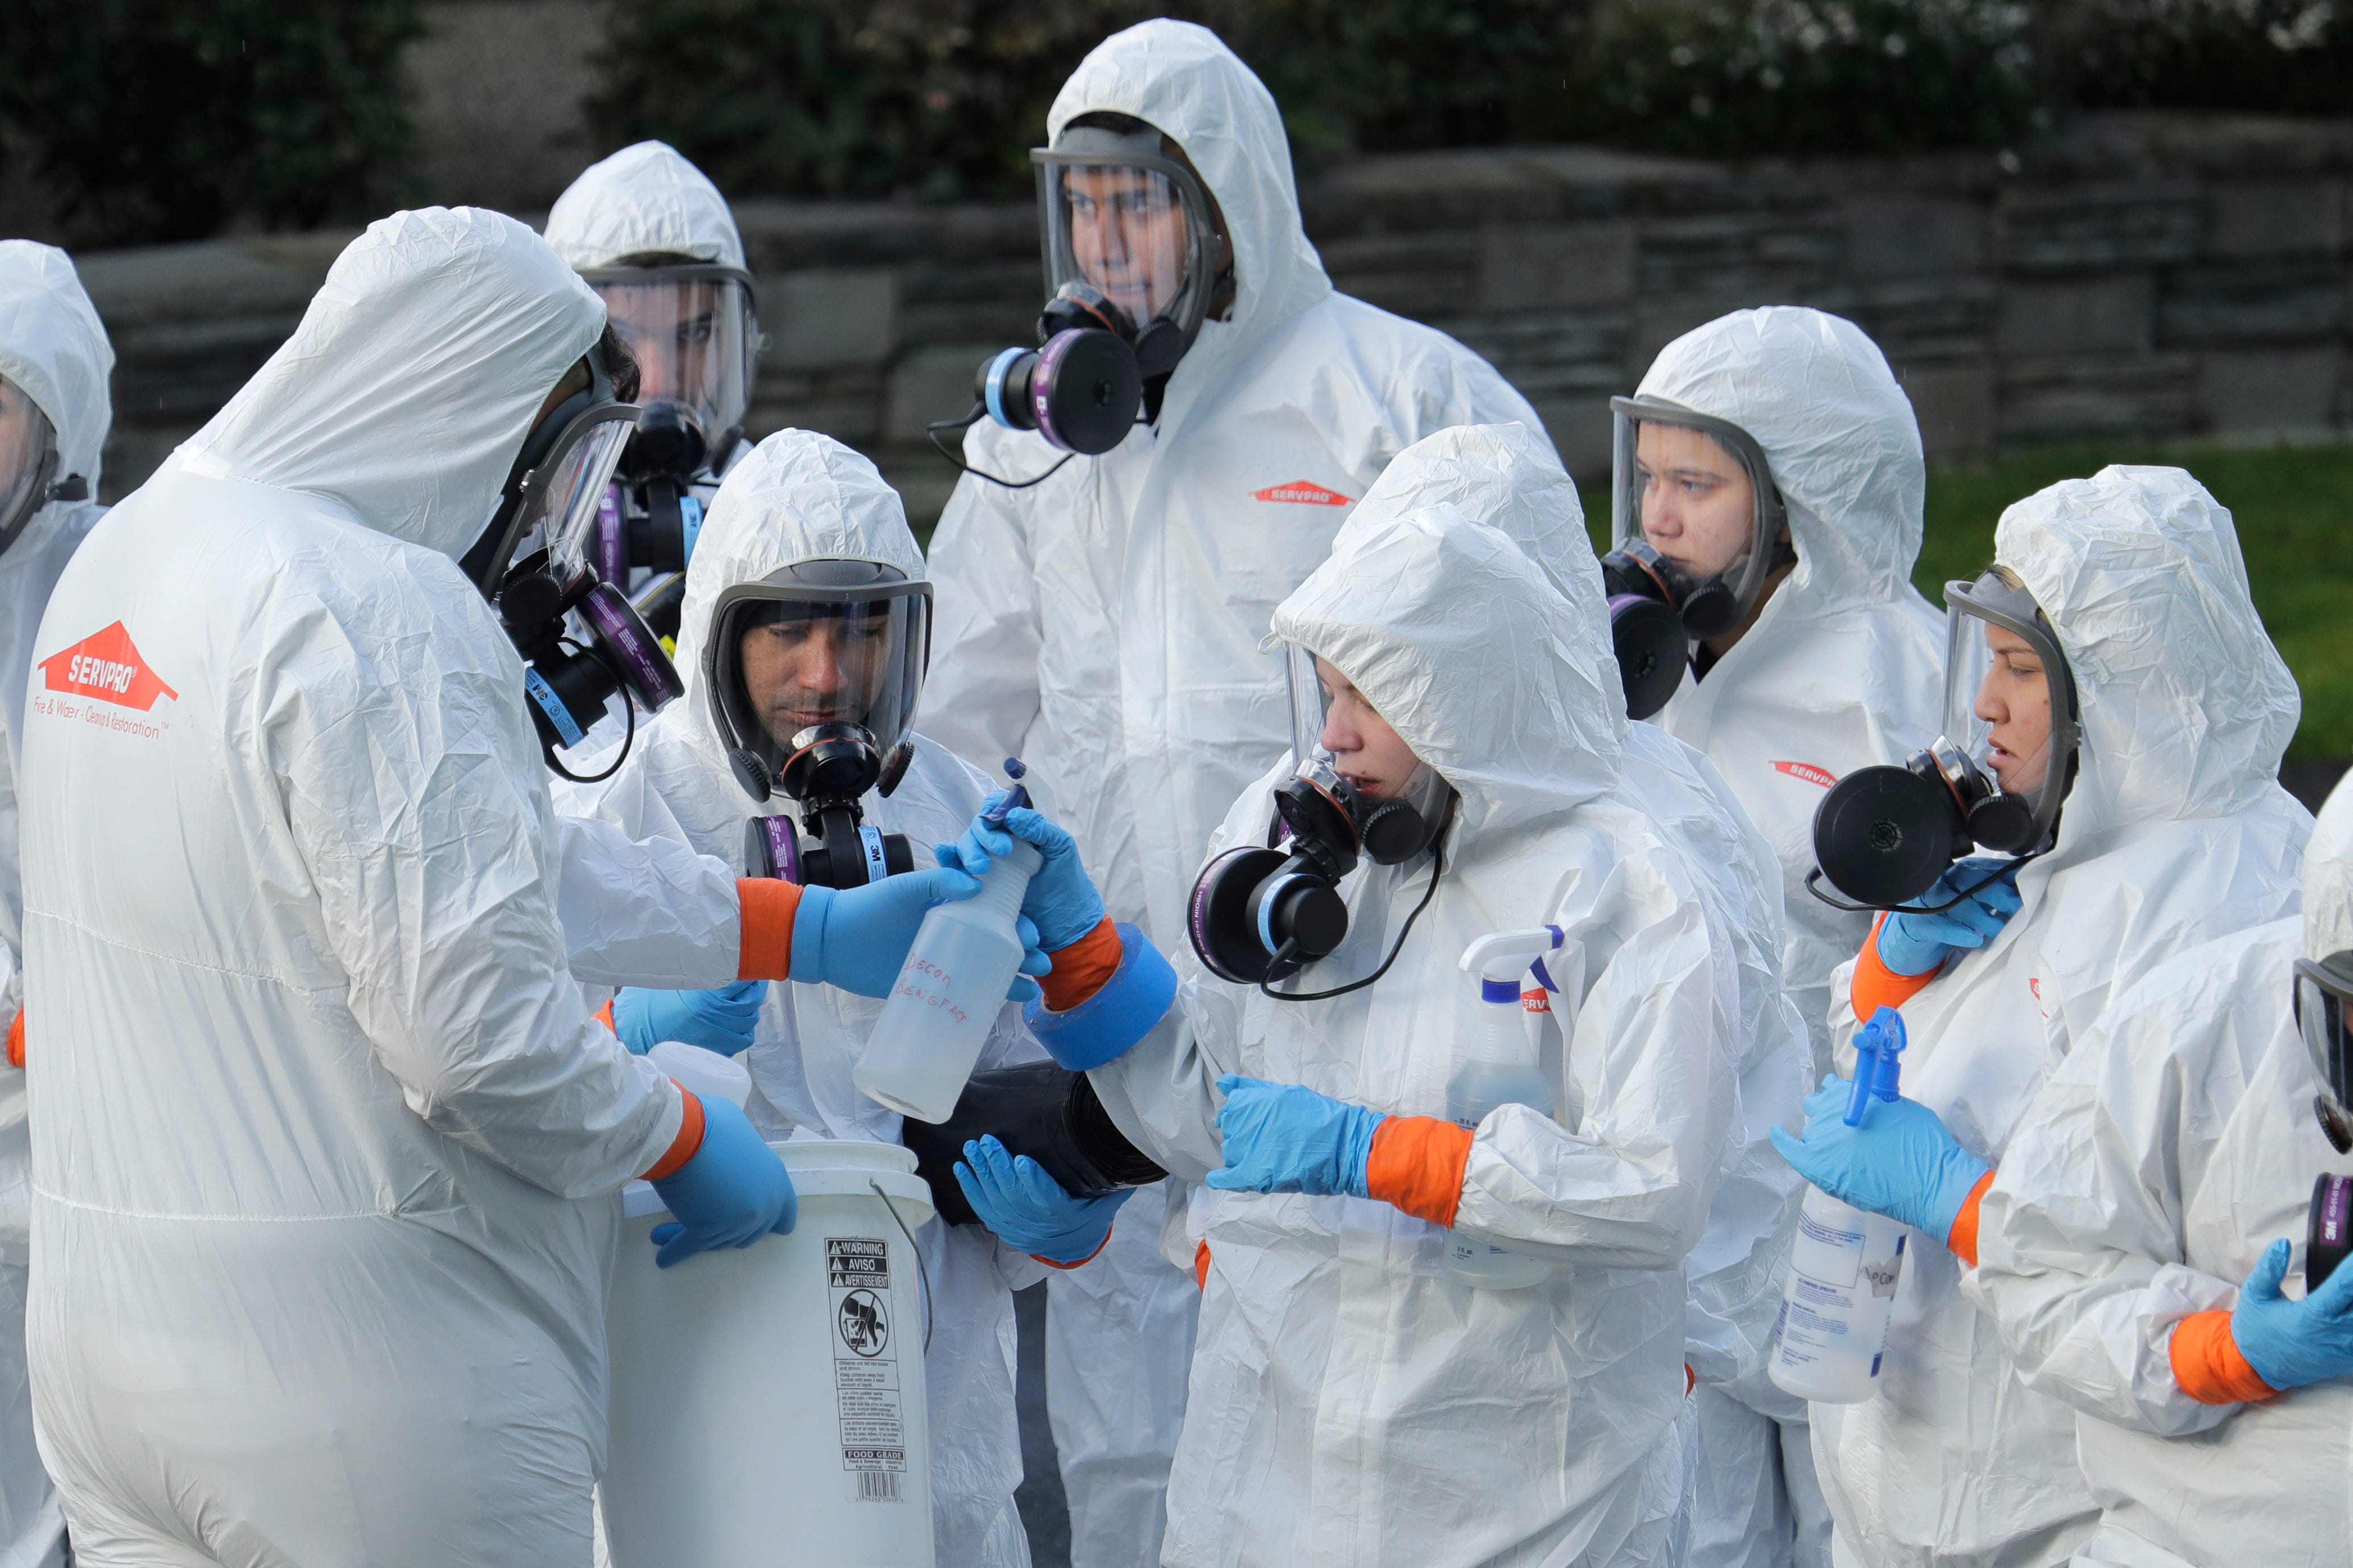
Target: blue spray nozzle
(1015,798)
(1877,1069)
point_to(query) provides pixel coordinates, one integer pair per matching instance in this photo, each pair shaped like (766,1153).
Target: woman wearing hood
(1351,1401)
(2114,716)
(2135,1240)
(1771,453)
(773,640)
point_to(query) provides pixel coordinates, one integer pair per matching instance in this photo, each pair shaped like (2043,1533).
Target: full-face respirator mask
(1658,604)
(2323,989)
(813,674)
(1131,246)
(1261,913)
(1884,834)
(29,461)
(581,640)
(694,332)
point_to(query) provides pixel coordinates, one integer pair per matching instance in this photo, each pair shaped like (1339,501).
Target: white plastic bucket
(768,1402)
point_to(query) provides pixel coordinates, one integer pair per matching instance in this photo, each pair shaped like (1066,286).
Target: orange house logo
(107,665)
(1807,772)
(1299,492)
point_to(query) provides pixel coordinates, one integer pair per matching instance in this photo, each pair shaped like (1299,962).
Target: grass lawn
(2294,506)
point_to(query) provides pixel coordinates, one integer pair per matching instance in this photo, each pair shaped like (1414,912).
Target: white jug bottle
(1503,1073)
(951,989)
(1846,1263)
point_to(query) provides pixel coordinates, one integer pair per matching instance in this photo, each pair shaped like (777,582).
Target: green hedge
(162,120)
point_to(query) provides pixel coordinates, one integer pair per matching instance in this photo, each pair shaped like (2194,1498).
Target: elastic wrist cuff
(1121,1011)
(1876,985)
(1082,968)
(689,1141)
(2208,1366)
(764,947)
(1961,1239)
(1075,1262)
(17,1040)
(1417,1164)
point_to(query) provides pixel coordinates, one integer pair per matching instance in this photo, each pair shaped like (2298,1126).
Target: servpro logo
(105,665)
(1808,773)
(1299,492)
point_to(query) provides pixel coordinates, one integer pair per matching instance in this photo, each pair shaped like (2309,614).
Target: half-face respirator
(813,674)
(1657,606)
(1884,834)
(1261,913)
(580,638)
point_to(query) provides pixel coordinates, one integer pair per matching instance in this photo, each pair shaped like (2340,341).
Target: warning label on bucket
(866,1369)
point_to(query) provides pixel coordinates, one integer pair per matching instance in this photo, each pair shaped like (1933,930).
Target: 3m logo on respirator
(107,665)
(1299,492)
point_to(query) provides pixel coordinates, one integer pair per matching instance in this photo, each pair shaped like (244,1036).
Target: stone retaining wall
(2141,277)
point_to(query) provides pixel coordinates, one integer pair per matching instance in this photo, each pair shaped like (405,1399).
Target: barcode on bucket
(879,1486)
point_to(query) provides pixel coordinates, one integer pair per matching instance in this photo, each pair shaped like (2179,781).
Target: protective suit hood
(1838,433)
(644,197)
(1181,80)
(798,496)
(420,366)
(2187,707)
(1517,706)
(53,346)
(1507,477)
(2329,877)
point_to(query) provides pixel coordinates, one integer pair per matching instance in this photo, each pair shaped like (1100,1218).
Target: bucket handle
(922,1271)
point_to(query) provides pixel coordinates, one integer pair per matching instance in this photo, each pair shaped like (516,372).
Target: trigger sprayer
(1845,1262)
(1502,1070)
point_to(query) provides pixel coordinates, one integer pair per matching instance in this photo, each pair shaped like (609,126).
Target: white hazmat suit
(325,1140)
(1506,475)
(2175,832)
(54,349)
(2173,1146)
(1348,1401)
(1843,668)
(795,498)
(1104,626)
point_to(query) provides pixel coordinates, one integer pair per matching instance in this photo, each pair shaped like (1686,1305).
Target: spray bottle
(952,987)
(1503,1073)
(1846,1263)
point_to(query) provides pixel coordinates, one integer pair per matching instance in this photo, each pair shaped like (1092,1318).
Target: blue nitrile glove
(2291,1343)
(1913,942)
(1900,1162)
(857,937)
(1061,898)
(1283,1137)
(731,1192)
(1021,1203)
(722,1019)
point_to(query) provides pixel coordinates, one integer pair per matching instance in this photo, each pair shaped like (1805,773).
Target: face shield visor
(694,334)
(28,461)
(2009,711)
(814,673)
(1696,519)
(1122,219)
(2322,991)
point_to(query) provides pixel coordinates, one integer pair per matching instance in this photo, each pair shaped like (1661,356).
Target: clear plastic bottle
(947,994)
(1843,1268)
(1503,1073)
(1476,1088)
(1846,1263)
